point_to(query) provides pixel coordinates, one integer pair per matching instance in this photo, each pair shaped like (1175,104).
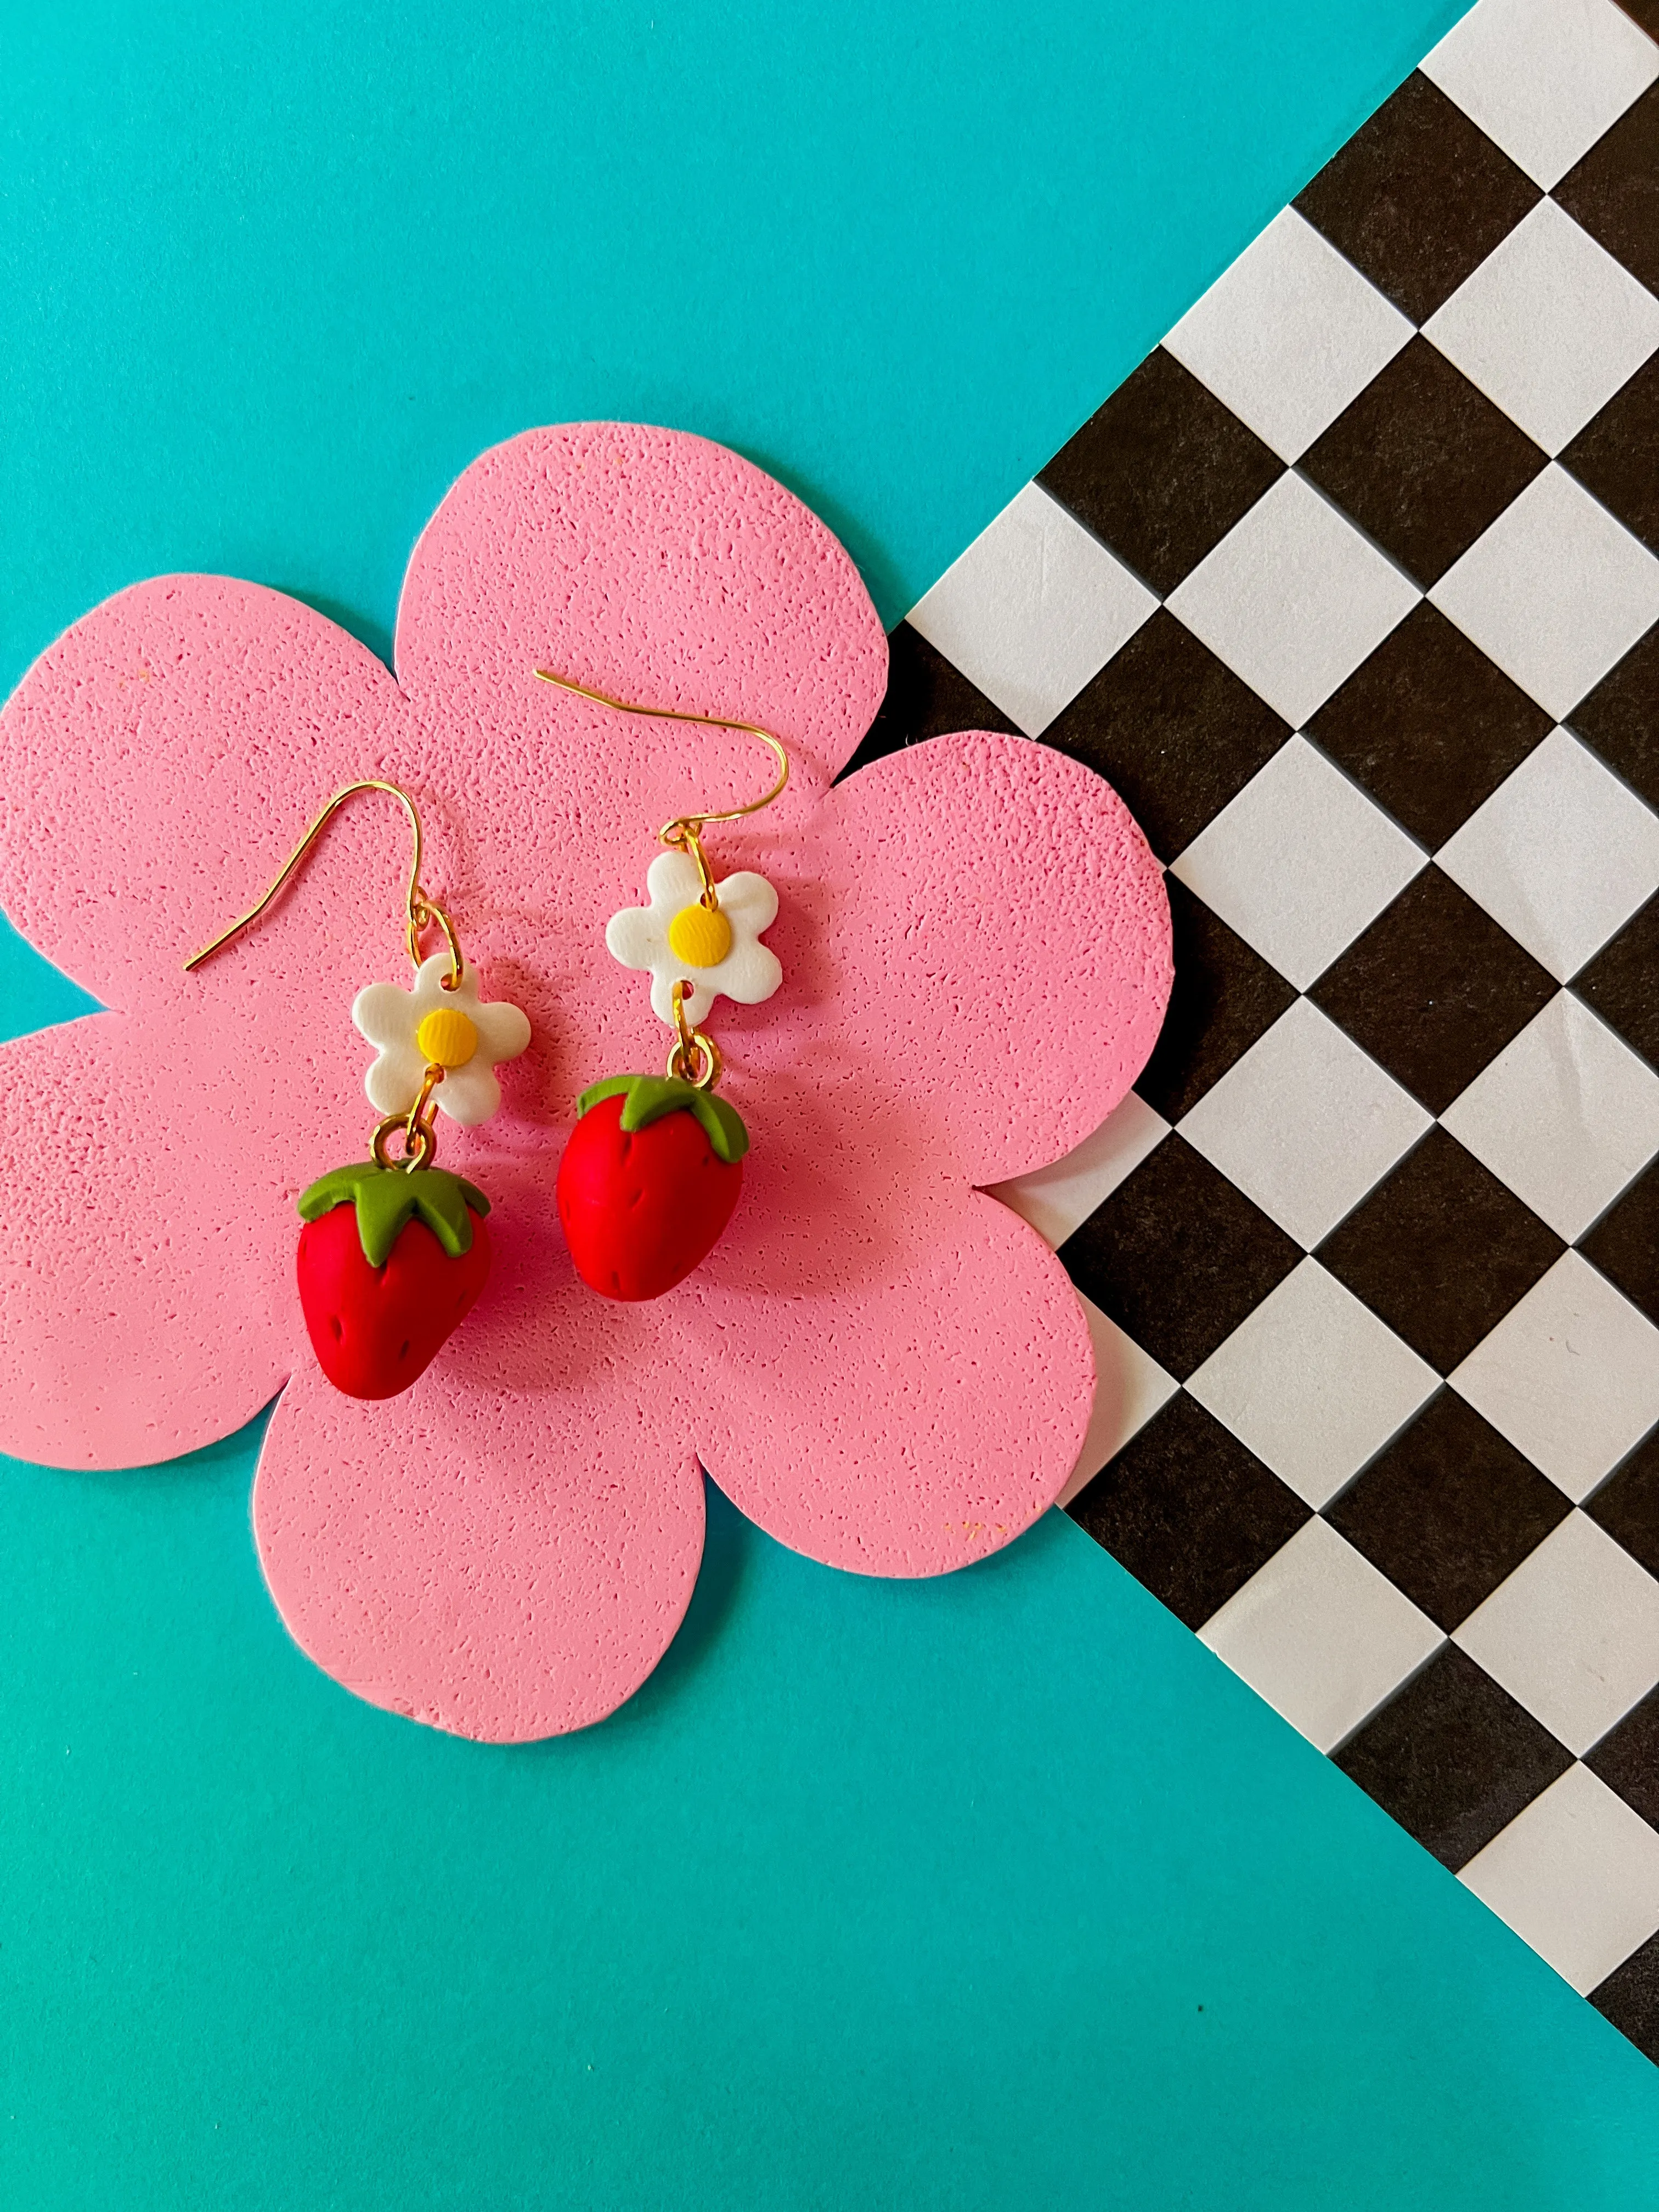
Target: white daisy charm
(717,949)
(430,1027)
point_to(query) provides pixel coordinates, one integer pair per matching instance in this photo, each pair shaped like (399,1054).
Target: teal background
(993,1892)
(269,279)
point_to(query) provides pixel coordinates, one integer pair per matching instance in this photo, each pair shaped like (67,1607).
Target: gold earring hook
(423,910)
(685,832)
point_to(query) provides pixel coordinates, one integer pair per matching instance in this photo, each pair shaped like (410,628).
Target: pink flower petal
(502,1563)
(157,762)
(656,567)
(147,1301)
(913,1410)
(994,917)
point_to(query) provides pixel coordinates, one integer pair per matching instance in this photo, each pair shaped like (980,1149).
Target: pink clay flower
(880,1365)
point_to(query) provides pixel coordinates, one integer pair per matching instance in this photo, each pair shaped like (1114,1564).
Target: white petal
(672,881)
(749,974)
(393,1081)
(636,937)
(386,1015)
(749,901)
(697,1006)
(503,1030)
(428,994)
(469,1095)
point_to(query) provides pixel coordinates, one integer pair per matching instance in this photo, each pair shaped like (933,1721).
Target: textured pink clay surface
(882,1365)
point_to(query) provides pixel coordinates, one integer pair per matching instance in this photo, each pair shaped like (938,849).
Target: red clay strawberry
(390,1259)
(647,1183)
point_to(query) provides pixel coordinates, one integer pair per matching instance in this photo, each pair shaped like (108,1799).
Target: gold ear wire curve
(685,830)
(421,909)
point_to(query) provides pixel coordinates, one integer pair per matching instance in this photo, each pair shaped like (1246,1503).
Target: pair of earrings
(394,1249)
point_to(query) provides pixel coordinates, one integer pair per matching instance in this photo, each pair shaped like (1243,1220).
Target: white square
(1032,610)
(1057,1199)
(1299,862)
(1314,1383)
(1305,1123)
(1545,78)
(1129,1387)
(1293,599)
(1562,854)
(1322,1635)
(1572,1634)
(1570,1376)
(1576,1875)
(1565,1115)
(1554,592)
(1288,335)
(1548,326)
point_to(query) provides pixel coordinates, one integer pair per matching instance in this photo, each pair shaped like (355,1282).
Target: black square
(1622,983)
(927,696)
(1615,191)
(1448,1510)
(1177,1256)
(1429,726)
(1161,471)
(1418,198)
(1620,717)
(1422,461)
(1188,1510)
(1434,989)
(1616,455)
(1627,1758)
(1625,1244)
(1441,1251)
(1453,1757)
(1627,1505)
(1172,729)
(1225,996)
(1630,1998)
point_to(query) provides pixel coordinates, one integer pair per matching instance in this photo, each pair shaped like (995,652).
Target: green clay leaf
(724,1128)
(387,1198)
(647,1099)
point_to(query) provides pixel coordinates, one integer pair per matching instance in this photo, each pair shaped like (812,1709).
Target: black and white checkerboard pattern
(1351,591)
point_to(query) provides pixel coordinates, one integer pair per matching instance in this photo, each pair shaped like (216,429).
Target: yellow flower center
(701,936)
(446,1037)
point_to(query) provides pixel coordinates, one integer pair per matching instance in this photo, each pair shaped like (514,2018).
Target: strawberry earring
(654,1164)
(394,1251)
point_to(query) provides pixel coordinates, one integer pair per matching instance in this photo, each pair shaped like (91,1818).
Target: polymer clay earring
(652,1172)
(393,1251)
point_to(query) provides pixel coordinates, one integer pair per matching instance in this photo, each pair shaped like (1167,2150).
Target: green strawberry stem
(387,1198)
(647,1099)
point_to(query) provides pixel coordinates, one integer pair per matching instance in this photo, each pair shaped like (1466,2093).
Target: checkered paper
(1352,591)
